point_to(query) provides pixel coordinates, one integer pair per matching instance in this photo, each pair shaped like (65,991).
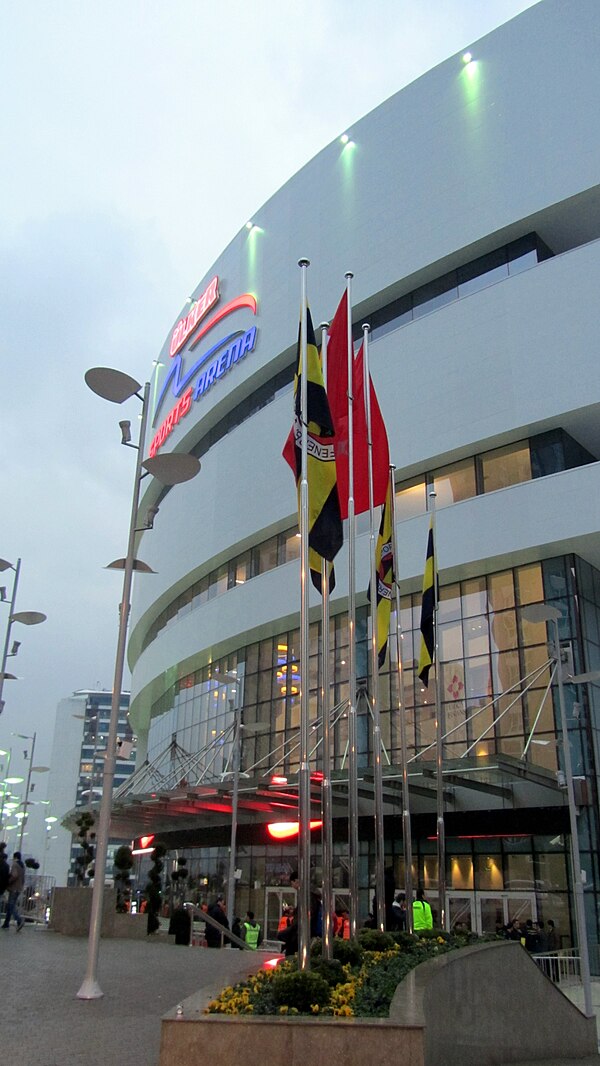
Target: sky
(137,137)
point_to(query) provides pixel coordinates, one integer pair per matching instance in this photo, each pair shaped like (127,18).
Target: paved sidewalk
(44,1024)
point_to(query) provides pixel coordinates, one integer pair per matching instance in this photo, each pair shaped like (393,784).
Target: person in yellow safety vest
(252,933)
(422,916)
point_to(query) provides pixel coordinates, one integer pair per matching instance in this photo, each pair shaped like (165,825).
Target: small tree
(154,887)
(123,863)
(83,860)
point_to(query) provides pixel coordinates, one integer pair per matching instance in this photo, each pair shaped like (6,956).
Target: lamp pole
(28,618)
(27,786)
(540,613)
(115,386)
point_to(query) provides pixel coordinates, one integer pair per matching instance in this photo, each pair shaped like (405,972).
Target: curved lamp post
(545,612)
(170,469)
(27,618)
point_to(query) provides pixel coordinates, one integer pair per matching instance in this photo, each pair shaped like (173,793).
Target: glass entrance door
(494,909)
(275,900)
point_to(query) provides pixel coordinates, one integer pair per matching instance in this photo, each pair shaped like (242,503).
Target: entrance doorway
(275,900)
(486,912)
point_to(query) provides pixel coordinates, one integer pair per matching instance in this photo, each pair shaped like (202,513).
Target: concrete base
(491,1004)
(479,1006)
(71,909)
(237,1041)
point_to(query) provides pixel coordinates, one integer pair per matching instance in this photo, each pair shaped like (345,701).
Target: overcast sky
(136,138)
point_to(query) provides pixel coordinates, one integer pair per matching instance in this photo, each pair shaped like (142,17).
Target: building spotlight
(125,432)
(467,58)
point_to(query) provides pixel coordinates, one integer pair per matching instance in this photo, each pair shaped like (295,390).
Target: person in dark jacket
(4,873)
(16,883)
(216,911)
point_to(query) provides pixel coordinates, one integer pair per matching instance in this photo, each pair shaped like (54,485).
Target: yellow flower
(314,1008)
(284,1009)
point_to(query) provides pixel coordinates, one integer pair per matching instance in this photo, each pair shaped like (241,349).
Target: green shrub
(330,969)
(302,990)
(348,952)
(406,941)
(375,940)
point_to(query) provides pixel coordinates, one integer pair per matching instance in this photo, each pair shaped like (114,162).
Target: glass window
(410,499)
(474,597)
(242,568)
(505,466)
(522,262)
(476,635)
(501,591)
(291,546)
(450,638)
(455,482)
(449,604)
(488,873)
(265,556)
(482,272)
(530,587)
(434,295)
(504,631)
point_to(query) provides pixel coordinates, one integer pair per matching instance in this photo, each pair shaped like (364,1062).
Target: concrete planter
(71,909)
(463,1009)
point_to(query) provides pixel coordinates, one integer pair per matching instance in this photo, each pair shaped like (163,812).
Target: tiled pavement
(42,1023)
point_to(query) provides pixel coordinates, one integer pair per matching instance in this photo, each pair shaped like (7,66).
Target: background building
(75,778)
(468,208)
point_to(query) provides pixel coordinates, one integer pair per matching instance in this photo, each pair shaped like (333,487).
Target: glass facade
(486,646)
(486,472)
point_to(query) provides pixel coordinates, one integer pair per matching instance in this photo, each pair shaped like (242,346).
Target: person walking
(422,916)
(218,912)
(251,930)
(4,874)
(16,882)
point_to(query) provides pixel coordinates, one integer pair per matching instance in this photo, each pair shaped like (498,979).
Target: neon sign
(211,366)
(285,830)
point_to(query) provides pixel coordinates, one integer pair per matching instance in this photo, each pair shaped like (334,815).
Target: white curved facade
(463,163)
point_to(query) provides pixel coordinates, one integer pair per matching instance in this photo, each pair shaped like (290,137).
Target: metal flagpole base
(90,989)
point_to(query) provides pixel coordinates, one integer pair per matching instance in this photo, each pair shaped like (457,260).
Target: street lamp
(27,618)
(171,469)
(32,770)
(544,612)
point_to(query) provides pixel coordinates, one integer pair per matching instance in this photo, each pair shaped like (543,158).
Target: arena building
(467,207)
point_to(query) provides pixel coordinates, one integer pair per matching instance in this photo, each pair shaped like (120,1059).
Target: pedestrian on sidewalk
(16,882)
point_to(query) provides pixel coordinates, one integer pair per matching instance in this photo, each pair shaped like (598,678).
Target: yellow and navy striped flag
(426,656)
(325,533)
(384,565)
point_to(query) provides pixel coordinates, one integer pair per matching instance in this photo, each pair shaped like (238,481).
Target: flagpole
(377,770)
(326,813)
(304,773)
(352,723)
(439,733)
(406,826)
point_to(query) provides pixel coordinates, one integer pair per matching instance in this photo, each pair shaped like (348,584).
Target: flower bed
(360,981)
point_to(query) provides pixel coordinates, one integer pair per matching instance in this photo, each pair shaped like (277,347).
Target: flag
(324,520)
(384,565)
(337,392)
(426,655)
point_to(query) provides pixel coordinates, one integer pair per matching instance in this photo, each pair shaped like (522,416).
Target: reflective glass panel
(455,482)
(505,466)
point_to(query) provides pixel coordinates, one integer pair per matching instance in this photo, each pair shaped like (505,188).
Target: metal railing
(563,967)
(224,933)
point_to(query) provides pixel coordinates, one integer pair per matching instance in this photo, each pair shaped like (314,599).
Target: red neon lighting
(247,300)
(146,841)
(187,325)
(279,780)
(317,776)
(285,830)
